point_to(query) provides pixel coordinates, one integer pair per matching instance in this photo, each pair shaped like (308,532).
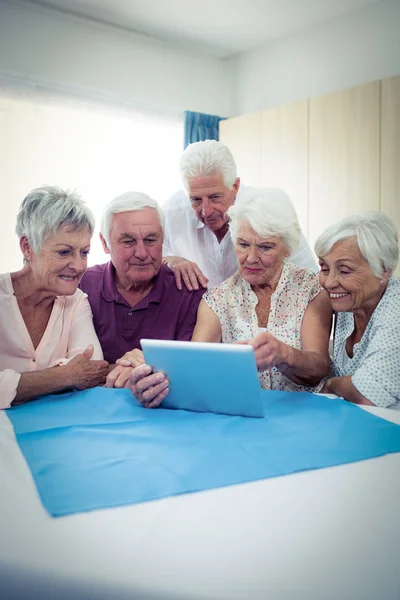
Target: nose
(206,208)
(330,280)
(78,263)
(140,250)
(252,255)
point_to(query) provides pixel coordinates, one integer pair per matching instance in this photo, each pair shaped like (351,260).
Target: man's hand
(187,271)
(133,358)
(119,377)
(149,388)
(84,373)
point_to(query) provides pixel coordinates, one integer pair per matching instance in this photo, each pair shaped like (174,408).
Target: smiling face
(135,246)
(260,259)
(210,199)
(347,277)
(62,261)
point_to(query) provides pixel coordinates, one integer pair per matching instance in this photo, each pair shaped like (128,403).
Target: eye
(127,243)
(150,242)
(344,272)
(243,245)
(215,199)
(324,270)
(264,248)
(63,253)
(84,253)
(196,201)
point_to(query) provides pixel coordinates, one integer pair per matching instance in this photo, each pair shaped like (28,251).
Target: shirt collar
(111,294)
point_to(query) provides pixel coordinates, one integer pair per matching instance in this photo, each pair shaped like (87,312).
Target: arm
(208,327)
(79,373)
(343,387)
(309,365)
(188,318)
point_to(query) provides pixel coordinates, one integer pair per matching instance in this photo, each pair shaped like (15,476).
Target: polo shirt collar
(111,294)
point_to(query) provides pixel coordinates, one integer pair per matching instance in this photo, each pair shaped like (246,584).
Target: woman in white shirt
(357,257)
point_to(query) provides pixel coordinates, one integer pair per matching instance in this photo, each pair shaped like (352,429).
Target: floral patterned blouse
(234,303)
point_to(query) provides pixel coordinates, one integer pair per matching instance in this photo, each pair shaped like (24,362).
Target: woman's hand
(133,358)
(119,377)
(269,351)
(84,373)
(149,388)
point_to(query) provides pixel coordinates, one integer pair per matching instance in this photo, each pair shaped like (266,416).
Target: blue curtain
(199,127)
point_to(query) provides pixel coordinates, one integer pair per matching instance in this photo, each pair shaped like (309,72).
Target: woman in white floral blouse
(275,306)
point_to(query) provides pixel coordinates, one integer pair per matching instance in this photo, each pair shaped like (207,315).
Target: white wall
(76,56)
(357,48)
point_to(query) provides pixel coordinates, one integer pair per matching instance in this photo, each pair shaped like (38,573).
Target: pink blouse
(69,331)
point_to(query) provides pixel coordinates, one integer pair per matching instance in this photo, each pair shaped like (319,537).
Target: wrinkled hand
(85,373)
(184,269)
(269,351)
(149,388)
(133,358)
(119,377)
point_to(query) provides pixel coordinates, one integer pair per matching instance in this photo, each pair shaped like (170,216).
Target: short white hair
(375,235)
(48,208)
(127,202)
(270,213)
(208,158)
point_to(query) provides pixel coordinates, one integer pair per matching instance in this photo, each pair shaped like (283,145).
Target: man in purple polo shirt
(134,295)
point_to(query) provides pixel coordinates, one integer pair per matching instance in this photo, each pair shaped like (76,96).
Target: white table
(319,535)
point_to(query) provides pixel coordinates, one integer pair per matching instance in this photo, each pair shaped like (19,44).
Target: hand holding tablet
(202,377)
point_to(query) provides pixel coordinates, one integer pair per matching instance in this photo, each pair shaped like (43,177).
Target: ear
(104,244)
(236,185)
(26,248)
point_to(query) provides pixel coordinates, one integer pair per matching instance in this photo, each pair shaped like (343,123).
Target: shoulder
(233,283)
(92,276)
(75,301)
(301,276)
(177,202)
(171,292)
(389,306)
(5,284)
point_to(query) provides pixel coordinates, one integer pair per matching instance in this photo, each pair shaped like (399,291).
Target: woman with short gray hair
(47,340)
(357,257)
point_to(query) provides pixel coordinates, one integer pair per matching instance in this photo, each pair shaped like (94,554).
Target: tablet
(207,377)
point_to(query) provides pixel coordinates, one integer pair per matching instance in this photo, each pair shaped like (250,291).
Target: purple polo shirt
(166,313)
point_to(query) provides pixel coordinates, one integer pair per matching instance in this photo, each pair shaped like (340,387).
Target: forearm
(304,367)
(39,383)
(343,387)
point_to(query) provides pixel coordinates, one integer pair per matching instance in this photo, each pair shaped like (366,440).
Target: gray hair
(125,203)
(208,158)
(375,235)
(48,208)
(270,213)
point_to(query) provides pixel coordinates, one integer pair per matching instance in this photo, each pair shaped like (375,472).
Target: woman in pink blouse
(47,340)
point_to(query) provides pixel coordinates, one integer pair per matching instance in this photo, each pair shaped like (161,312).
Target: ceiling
(221,28)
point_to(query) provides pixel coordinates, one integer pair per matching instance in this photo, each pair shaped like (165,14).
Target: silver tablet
(205,377)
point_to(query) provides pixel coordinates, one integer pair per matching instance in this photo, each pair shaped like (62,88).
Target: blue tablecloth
(100,448)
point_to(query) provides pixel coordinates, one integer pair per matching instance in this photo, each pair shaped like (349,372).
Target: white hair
(48,208)
(208,158)
(375,235)
(270,213)
(127,202)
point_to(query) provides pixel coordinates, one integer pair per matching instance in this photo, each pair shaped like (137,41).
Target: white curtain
(99,150)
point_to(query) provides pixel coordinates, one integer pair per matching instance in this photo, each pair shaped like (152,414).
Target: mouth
(337,296)
(141,265)
(68,278)
(250,270)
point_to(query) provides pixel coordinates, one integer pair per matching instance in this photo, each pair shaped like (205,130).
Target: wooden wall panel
(242,135)
(390,151)
(284,154)
(344,150)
